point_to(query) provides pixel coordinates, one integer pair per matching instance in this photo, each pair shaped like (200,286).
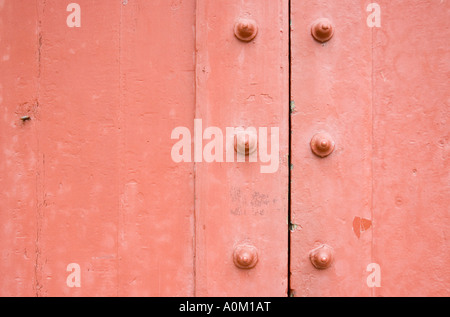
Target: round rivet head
(321,257)
(245,142)
(322,144)
(245,256)
(245,29)
(322,30)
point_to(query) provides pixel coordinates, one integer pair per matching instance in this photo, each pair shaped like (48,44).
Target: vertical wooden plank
(245,85)
(19,70)
(331,92)
(78,140)
(411,148)
(96,172)
(157,72)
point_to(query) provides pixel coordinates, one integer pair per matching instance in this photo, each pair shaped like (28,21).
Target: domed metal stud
(322,144)
(322,30)
(321,257)
(245,142)
(245,256)
(245,29)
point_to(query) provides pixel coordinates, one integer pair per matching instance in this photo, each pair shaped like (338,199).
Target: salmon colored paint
(411,149)
(242,84)
(224,148)
(89,191)
(379,88)
(20,196)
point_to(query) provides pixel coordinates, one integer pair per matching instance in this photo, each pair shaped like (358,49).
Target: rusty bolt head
(322,144)
(322,30)
(245,256)
(245,29)
(321,257)
(245,142)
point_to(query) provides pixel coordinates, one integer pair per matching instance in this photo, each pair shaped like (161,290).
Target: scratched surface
(381,198)
(242,85)
(411,150)
(331,90)
(89,178)
(19,150)
(92,203)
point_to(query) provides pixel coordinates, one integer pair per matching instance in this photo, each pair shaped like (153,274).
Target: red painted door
(92,203)
(241,235)
(224,148)
(373,214)
(98,199)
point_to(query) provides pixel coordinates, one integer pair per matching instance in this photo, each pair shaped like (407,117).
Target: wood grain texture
(20,158)
(242,84)
(411,148)
(331,91)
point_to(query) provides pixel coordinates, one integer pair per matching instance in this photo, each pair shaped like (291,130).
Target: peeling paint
(361,225)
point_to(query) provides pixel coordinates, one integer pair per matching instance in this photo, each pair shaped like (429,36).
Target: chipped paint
(360,225)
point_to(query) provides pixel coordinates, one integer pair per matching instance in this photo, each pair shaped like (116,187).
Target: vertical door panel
(411,148)
(156,194)
(380,200)
(330,92)
(242,84)
(19,70)
(89,190)
(77,214)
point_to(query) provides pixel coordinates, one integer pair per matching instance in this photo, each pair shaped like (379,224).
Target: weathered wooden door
(119,175)
(224,148)
(375,211)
